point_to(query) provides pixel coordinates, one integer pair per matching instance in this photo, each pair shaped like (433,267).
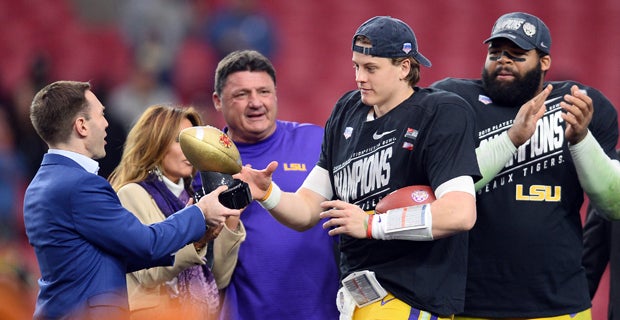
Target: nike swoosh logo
(551,100)
(383,301)
(378,136)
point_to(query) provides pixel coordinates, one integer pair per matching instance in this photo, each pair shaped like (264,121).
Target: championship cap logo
(529,29)
(407,47)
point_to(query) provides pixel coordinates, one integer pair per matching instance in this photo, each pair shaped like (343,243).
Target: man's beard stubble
(515,93)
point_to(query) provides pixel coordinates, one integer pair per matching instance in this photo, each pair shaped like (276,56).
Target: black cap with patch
(390,38)
(525,30)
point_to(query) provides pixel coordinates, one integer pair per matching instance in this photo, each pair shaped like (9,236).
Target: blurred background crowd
(139,52)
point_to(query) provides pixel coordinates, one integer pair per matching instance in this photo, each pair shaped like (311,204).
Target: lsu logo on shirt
(538,192)
(295,167)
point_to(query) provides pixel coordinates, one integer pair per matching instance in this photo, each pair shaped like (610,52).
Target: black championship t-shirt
(526,246)
(426,140)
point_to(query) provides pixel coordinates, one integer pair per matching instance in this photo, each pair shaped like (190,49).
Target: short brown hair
(55,107)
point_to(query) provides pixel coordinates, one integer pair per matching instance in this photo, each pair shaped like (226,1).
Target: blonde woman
(153,180)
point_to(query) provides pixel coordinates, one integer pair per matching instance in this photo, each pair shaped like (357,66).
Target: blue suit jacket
(85,241)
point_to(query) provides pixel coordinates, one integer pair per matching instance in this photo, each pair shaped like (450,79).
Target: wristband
(414,223)
(272,197)
(268,193)
(369,226)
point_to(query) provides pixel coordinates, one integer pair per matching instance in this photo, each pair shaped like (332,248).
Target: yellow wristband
(272,198)
(268,192)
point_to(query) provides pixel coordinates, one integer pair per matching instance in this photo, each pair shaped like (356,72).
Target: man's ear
(545,63)
(80,126)
(405,68)
(217,102)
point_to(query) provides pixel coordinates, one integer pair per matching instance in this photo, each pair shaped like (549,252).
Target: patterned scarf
(197,289)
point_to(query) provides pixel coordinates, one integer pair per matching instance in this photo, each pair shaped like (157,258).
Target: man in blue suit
(84,240)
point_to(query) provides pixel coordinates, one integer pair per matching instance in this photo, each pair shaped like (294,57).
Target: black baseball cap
(390,38)
(525,30)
